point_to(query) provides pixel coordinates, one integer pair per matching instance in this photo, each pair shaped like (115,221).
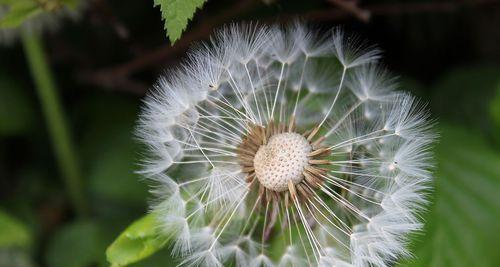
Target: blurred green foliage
(463,96)
(16,110)
(13,233)
(77,244)
(108,149)
(16,241)
(20,11)
(495,114)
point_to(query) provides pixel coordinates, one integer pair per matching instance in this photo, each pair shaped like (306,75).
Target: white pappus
(284,146)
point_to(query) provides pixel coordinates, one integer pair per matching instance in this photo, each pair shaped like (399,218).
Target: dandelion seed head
(285,135)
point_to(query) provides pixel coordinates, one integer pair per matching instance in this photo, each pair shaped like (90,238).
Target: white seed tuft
(229,119)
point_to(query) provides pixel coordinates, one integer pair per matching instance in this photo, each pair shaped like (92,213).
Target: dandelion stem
(56,124)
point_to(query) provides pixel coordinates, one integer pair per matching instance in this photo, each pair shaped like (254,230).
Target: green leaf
(76,245)
(176,14)
(462,226)
(139,241)
(13,233)
(18,13)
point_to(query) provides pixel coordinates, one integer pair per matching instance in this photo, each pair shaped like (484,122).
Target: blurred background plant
(68,156)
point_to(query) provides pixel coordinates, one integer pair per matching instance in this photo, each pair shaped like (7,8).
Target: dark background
(446,52)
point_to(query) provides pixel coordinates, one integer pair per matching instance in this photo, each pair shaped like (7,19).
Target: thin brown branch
(351,6)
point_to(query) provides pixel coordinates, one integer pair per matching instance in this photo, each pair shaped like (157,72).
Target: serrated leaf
(13,233)
(139,241)
(177,14)
(462,226)
(18,13)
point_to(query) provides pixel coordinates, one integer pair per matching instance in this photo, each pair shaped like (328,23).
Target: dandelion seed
(281,135)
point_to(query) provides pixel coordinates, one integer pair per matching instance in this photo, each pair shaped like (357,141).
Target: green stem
(56,123)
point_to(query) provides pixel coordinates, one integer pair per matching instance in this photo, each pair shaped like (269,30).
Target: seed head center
(281,160)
